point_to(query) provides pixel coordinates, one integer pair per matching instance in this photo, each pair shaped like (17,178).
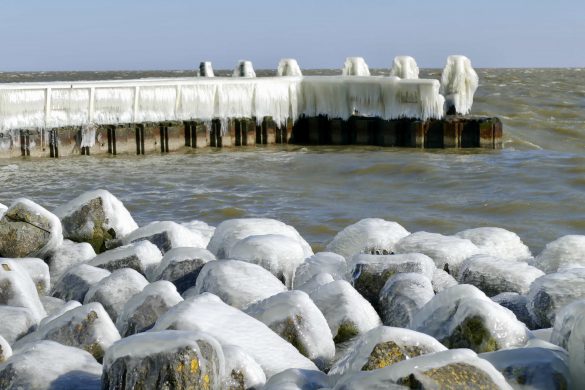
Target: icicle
(404,67)
(88,135)
(205,69)
(244,69)
(459,83)
(355,66)
(288,67)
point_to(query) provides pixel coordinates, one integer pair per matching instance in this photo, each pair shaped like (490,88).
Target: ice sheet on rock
(143,309)
(76,281)
(3,209)
(346,311)
(323,262)
(576,349)
(497,242)
(371,235)
(276,253)
(244,68)
(403,295)
(59,312)
(298,379)
(294,316)
(237,283)
(167,235)
(494,275)
(5,349)
(315,282)
(446,251)
(404,67)
(50,365)
(229,325)
(51,304)
(68,255)
(182,266)
(563,253)
(517,304)
(288,67)
(18,289)
(229,232)
(115,290)
(442,280)
(458,83)
(38,270)
(16,322)
(141,256)
(202,229)
(355,66)
(565,322)
(241,370)
(544,334)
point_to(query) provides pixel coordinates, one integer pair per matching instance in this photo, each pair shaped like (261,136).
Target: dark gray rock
(517,304)
(141,256)
(77,281)
(181,266)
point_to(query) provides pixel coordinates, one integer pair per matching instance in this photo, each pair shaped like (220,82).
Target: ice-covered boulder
(77,281)
(452,369)
(459,81)
(181,266)
(402,296)
(448,252)
(115,290)
(315,282)
(18,289)
(563,253)
(58,312)
(16,322)
(47,365)
(241,370)
(167,235)
(5,350)
(51,304)
(565,321)
(533,368)
(205,69)
(142,256)
(497,242)
(143,309)
(29,230)
(87,327)
(576,349)
(295,318)
(517,304)
(370,272)
(95,217)
(201,229)
(38,271)
(288,67)
(237,283)
(229,325)
(69,254)
(494,275)
(244,68)
(375,236)
(549,293)
(442,280)
(404,67)
(355,66)
(347,312)
(298,379)
(464,317)
(171,359)
(382,347)
(3,209)
(279,254)
(320,263)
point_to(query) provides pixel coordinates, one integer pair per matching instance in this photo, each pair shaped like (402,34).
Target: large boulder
(322,262)
(315,282)
(170,359)
(497,242)
(18,289)
(442,280)
(68,255)
(565,321)
(76,282)
(402,296)
(29,230)
(241,370)
(95,217)
(38,271)
(142,256)
(563,253)
(16,322)
(200,228)
(166,235)
(58,312)
(517,304)
(181,266)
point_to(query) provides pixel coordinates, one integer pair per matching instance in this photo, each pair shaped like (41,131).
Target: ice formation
(403,295)
(59,312)
(404,67)
(77,280)
(167,235)
(141,256)
(16,322)
(5,349)
(182,266)
(459,83)
(18,289)
(244,69)
(497,242)
(320,263)
(576,348)
(563,253)
(442,280)
(241,369)
(201,228)
(318,280)
(205,69)
(3,209)
(517,304)
(288,67)
(298,379)
(38,271)
(68,255)
(565,322)
(355,66)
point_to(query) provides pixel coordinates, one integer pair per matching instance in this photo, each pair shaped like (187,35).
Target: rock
(497,242)
(38,270)
(87,327)
(166,235)
(278,254)
(60,311)
(237,283)
(200,228)
(464,317)
(516,303)
(5,350)
(18,289)
(347,312)
(95,217)
(170,359)
(16,322)
(563,253)
(77,281)
(549,293)
(143,309)
(230,326)
(493,275)
(371,235)
(452,369)
(543,335)
(181,266)
(47,365)
(294,317)
(315,282)
(448,252)
(370,272)
(576,349)
(3,209)
(115,290)
(565,321)
(51,304)
(534,368)
(69,254)
(229,232)
(141,256)
(322,262)
(298,379)
(241,370)
(382,347)
(403,295)
(442,280)
(28,230)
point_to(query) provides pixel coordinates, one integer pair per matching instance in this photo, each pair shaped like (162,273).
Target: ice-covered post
(244,69)
(205,69)
(458,84)
(288,67)
(355,66)
(404,67)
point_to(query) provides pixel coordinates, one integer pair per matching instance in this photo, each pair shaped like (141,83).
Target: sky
(48,35)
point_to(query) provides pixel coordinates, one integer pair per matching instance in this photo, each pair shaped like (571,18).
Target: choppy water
(535,186)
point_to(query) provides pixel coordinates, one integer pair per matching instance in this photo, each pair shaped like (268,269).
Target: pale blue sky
(175,34)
